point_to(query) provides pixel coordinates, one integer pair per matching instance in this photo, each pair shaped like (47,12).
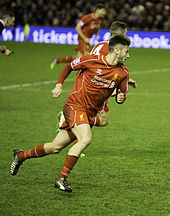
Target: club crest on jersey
(81,117)
(99,71)
(115,76)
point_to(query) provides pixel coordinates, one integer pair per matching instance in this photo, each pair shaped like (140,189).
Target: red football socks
(68,166)
(66,59)
(38,151)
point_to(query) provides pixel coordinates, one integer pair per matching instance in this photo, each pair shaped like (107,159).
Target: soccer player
(6,21)
(89,92)
(86,27)
(102,48)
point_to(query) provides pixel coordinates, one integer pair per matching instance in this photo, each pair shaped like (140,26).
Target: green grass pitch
(125,170)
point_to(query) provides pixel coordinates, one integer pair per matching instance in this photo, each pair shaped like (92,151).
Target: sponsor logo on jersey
(103,82)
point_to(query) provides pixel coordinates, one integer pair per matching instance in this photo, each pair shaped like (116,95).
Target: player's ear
(116,50)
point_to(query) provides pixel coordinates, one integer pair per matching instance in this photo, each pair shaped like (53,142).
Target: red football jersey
(90,24)
(96,82)
(102,48)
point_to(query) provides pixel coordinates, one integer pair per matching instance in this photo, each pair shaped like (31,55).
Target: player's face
(10,22)
(101,12)
(123,54)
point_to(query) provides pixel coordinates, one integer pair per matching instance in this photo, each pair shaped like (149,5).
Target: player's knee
(51,148)
(56,150)
(86,139)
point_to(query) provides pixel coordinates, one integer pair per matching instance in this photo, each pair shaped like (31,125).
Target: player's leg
(57,60)
(102,117)
(61,141)
(75,141)
(82,48)
(83,134)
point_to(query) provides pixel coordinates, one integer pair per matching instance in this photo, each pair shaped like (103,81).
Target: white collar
(2,22)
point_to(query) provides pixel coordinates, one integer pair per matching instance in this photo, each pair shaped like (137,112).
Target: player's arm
(2,48)
(63,75)
(75,65)
(6,51)
(80,32)
(122,90)
(132,83)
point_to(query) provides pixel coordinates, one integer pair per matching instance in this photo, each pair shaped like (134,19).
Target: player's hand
(86,40)
(8,52)
(120,97)
(132,83)
(57,90)
(2,48)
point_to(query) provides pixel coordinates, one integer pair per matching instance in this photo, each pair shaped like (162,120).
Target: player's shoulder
(87,16)
(85,58)
(123,70)
(90,56)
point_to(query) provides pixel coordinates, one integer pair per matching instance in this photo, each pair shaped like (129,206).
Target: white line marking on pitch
(32,84)
(151,71)
(72,79)
(150,94)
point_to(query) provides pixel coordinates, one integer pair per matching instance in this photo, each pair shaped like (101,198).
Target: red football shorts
(75,116)
(82,46)
(105,107)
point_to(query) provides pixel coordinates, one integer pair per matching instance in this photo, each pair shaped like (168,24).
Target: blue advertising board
(56,35)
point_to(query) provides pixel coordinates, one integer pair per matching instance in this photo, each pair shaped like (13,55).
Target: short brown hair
(118,39)
(117,25)
(100,6)
(7,14)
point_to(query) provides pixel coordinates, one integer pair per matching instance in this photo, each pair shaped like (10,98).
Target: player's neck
(112,59)
(96,15)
